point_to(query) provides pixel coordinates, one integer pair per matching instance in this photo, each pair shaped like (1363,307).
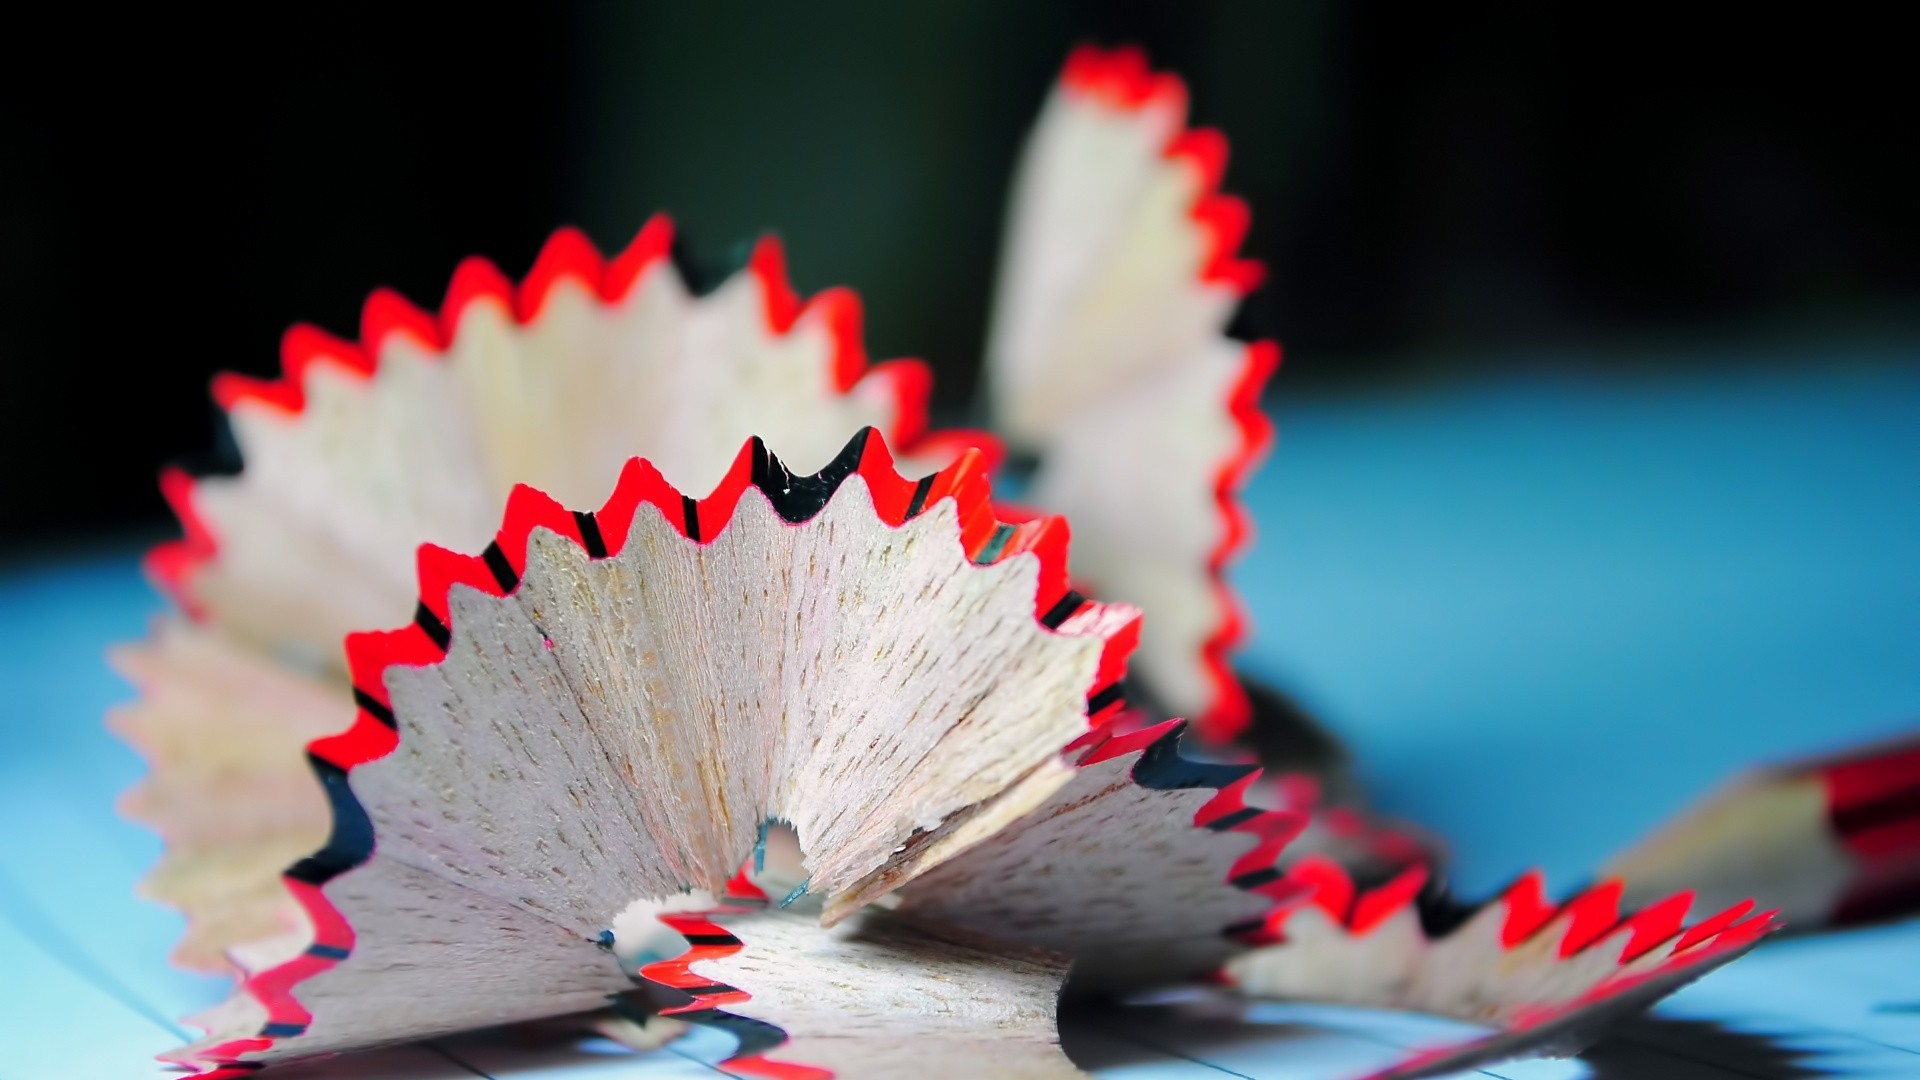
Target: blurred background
(1435,189)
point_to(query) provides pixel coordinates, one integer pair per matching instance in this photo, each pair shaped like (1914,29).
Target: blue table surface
(1546,612)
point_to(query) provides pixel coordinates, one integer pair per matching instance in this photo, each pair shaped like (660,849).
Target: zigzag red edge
(1230,711)
(568,255)
(1162,766)
(709,940)
(497,572)
(1380,840)
(1122,80)
(1593,917)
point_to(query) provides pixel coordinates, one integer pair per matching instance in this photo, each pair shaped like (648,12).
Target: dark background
(1427,182)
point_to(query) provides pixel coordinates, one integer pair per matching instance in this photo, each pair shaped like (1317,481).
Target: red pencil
(1831,842)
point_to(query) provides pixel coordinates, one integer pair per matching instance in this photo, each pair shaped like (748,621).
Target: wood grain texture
(861,683)
(1110,872)
(616,731)
(430,957)
(884,995)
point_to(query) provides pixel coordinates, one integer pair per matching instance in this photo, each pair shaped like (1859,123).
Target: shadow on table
(1337,1042)
(1667,1048)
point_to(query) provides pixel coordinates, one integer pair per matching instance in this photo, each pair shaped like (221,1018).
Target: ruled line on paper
(1857,1037)
(1403,1048)
(434,1045)
(1172,1051)
(44,934)
(1796,1025)
(1126,1036)
(704,1064)
(1358,1034)
(1876,1042)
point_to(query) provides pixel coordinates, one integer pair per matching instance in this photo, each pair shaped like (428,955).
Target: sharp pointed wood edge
(1549,975)
(568,269)
(228,790)
(268,1010)
(1113,99)
(1149,866)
